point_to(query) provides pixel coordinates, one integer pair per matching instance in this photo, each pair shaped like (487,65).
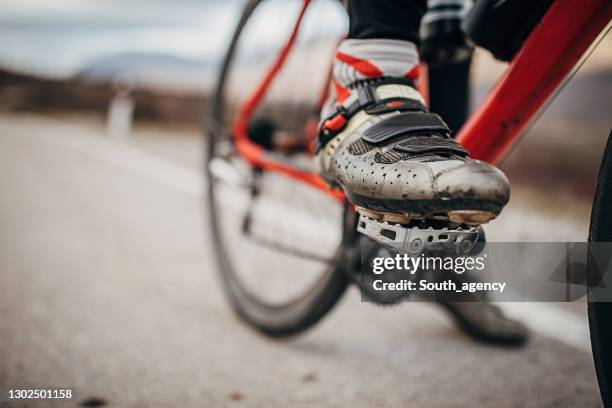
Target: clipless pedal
(418,238)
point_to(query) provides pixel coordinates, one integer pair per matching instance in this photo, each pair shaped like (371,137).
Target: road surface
(107,286)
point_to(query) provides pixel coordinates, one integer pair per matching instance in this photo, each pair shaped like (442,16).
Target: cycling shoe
(396,161)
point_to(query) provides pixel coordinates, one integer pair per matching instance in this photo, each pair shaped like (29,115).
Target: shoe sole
(456,212)
(454,218)
(469,211)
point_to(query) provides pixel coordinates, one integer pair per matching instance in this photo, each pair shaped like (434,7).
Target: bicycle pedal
(416,240)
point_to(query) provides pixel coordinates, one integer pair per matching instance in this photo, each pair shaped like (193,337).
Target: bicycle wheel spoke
(277,247)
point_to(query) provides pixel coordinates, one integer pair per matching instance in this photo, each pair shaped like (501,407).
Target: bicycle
(260,178)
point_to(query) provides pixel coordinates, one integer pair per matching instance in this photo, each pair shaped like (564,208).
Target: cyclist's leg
(395,20)
(382,42)
(371,135)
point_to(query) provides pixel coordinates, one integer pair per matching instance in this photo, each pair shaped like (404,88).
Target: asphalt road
(107,286)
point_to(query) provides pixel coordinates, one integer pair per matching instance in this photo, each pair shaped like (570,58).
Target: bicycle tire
(272,320)
(600,313)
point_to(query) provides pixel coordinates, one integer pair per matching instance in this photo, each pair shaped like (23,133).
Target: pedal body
(415,240)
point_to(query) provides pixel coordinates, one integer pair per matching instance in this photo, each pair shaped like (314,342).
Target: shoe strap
(405,124)
(375,96)
(430,145)
(411,132)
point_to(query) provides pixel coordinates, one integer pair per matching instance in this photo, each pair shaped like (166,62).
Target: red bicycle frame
(550,52)
(554,47)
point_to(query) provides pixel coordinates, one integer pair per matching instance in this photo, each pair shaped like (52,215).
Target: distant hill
(151,70)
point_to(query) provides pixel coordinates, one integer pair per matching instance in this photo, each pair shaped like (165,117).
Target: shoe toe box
(424,179)
(471,179)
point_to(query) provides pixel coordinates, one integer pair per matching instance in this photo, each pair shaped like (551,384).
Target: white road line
(544,319)
(552,321)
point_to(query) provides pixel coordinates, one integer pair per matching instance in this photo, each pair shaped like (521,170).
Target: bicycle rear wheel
(276,240)
(600,313)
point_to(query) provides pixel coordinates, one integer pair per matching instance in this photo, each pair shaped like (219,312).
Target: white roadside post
(120,110)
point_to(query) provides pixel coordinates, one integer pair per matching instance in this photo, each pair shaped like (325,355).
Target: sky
(59,38)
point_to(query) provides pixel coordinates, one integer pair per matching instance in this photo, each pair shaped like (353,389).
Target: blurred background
(106,279)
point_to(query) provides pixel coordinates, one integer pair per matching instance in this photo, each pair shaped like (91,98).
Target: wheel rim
(293,230)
